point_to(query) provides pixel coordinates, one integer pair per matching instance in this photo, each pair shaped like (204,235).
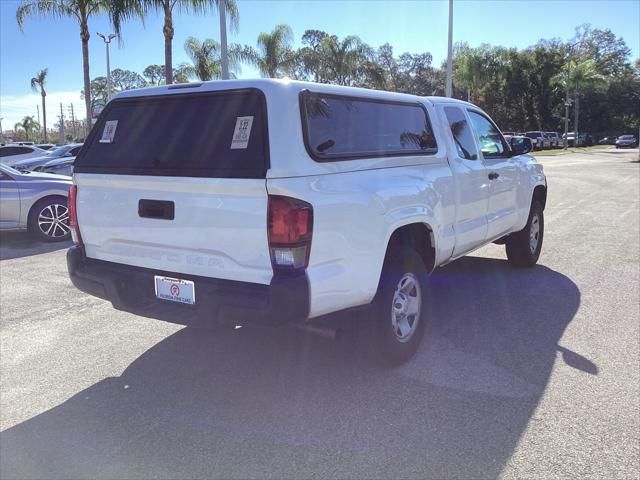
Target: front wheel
(400,307)
(523,247)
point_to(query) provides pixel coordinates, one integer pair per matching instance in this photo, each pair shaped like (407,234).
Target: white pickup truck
(272,202)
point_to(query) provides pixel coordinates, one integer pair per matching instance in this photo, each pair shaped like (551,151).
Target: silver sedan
(36,202)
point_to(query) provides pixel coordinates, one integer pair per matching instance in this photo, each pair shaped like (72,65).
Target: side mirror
(520,145)
(68,154)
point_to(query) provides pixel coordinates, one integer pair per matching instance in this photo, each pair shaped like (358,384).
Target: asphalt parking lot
(524,374)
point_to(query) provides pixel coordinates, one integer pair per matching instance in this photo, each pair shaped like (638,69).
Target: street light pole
(107,41)
(224,54)
(449,88)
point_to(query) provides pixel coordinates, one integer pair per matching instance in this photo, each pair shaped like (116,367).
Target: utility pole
(567,104)
(575,121)
(61,125)
(449,87)
(224,54)
(73,120)
(107,42)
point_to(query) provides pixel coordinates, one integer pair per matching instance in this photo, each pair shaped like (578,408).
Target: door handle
(493,175)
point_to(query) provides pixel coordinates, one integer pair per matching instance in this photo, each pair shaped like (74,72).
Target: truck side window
(339,127)
(462,135)
(488,136)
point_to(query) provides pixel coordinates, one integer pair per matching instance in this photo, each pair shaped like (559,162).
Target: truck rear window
(214,134)
(338,127)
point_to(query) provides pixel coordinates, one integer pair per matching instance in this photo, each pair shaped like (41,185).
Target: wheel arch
(540,194)
(417,235)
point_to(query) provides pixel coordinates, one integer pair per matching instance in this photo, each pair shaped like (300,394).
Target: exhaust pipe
(326,332)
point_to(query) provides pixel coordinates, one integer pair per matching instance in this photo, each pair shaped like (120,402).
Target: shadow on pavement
(253,403)
(22,244)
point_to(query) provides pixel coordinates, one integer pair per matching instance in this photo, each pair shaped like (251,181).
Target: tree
(343,60)
(27,125)
(124,9)
(470,71)
(99,95)
(154,74)
(81,11)
(274,57)
(126,80)
(205,56)
(578,77)
(37,83)
(183,73)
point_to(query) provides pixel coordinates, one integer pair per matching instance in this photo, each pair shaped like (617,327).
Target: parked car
(609,140)
(68,151)
(45,146)
(626,141)
(554,139)
(507,135)
(12,153)
(584,139)
(348,200)
(539,140)
(36,202)
(59,166)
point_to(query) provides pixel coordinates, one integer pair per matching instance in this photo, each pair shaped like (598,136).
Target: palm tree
(81,11)
(123,9)
(274,57)
(205,55)
(37,83)
(343,60)
(578,77)
(28,125)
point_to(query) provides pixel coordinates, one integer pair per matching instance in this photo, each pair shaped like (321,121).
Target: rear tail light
(73,215)
(290,228)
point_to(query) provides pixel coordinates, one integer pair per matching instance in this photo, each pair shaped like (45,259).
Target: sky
(409,26)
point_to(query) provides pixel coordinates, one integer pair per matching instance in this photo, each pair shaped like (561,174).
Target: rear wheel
(49,219)
(400,307)
(523,247)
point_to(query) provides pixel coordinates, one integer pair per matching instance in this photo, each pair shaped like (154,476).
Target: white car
(555,140)
(285,201)
(539,140)
(11,153)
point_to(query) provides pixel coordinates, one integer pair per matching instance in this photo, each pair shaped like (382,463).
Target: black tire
(54,208)
(402,264)
(521,250)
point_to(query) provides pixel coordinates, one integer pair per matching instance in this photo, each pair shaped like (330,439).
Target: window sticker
(241,133)
(109,131)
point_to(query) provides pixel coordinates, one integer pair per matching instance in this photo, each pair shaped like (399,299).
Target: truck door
(502,172)
(472,184)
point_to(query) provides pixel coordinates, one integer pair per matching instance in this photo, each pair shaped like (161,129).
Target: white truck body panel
(220,225)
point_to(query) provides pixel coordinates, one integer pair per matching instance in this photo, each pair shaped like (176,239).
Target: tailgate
(219,228)
(176,183)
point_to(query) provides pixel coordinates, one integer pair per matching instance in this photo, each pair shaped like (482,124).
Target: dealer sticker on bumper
(175,290)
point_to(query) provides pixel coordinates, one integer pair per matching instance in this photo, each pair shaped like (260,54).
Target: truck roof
(281,84)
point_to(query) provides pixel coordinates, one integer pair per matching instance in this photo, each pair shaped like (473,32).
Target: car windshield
(58,151)
(532,134)
(626,137)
